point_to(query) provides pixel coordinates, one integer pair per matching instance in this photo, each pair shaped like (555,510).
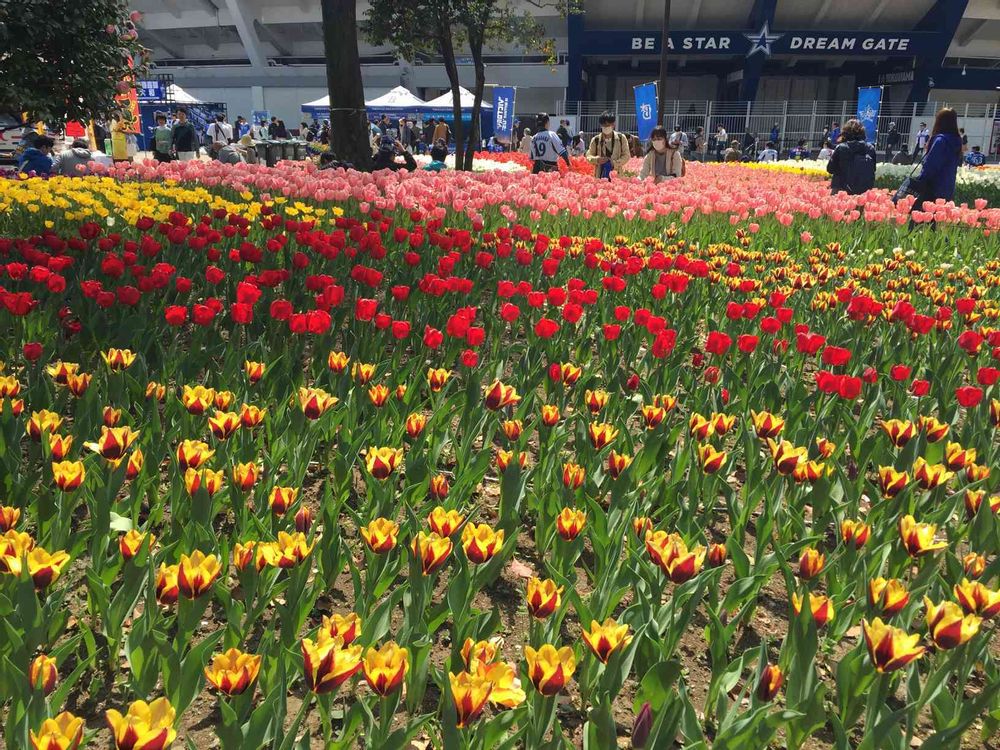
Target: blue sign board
(151,91)
(645,109)
(762,41)
(503,112)
(869,102)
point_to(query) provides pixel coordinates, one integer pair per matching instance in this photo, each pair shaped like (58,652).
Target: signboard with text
(503,112)
(763,41)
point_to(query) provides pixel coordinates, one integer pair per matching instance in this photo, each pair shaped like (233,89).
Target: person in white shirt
(546,148)
(769,153)
(826,152)
(923,137)
(721,139)
(220,134)
(525,145)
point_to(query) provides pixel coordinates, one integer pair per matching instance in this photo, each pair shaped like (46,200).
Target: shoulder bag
(911,185)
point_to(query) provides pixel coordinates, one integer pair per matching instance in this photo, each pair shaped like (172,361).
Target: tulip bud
(642,726)
(43,673)
(770,683)
(303,519)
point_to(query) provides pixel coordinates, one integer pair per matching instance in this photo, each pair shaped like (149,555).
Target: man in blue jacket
(37,158)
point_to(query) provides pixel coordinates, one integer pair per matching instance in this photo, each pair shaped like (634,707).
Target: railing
(795,120)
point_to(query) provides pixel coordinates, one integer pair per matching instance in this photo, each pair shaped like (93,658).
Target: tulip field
(298,459)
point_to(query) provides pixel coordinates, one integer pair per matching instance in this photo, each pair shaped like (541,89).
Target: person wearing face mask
(663,160)
(608,149)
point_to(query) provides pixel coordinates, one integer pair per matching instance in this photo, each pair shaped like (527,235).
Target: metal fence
(795,120)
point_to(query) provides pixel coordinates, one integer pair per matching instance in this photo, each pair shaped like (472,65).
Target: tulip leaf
(656,686)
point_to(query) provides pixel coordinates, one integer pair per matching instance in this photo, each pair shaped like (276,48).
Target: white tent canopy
(397,98)
(466,99)
(180,96)
(323,101)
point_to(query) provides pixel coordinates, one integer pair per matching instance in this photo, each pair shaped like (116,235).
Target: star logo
(762,40)
(867,114)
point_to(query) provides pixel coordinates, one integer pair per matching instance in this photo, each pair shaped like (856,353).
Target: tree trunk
(661,85)
(451,68)
(349,139)
(476,46)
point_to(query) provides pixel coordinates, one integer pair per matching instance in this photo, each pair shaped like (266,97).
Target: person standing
(119,142)
(775,136)
(242,126)
(700,144)
(923,137)
(835,133)
(441,132)
(679,133)
(944,155)
(546,148)
(721,138)
(609,149)
(893,138)
(826,151)
(184,139)
(965,140)
(852,165)
(563,133)
(823,137)
(662,161)
(525,145)
(219,133)
(163,138)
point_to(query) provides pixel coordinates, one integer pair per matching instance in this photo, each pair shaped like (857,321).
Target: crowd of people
(851,160)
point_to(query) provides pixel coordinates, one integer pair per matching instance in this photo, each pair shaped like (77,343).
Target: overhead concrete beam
(174,50)
(275,37)
(248,35)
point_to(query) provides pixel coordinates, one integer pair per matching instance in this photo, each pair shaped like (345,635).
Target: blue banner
(503,112)
(151,91)
(645,109)
(869,102)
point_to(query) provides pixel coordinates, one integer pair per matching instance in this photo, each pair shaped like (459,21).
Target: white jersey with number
(546,146)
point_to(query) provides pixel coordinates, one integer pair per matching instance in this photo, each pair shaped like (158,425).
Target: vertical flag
(645,109)
(869,102)
(503,112)
(129,102)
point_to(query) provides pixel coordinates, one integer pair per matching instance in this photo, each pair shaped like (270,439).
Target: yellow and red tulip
(233,671)
(549,668)
(481,542)
(64,732)
(68,475)
(542,597)
(315,402)
(437,378)
(929,476)
(381,462)
(786,456)
(811,563)
(956,457)
(192,454)
(618,463)
(224,423)
(43,673)
(287,552)
(653,415)
(550,415)
(498,396)
(444,522)
(41,421)
(281,499)
(604,639)
(854,533)
(254,370)
(918,538)
(570,522)
(251,416)
(820,606)
(891,481)
(113,442)
(710,459)
(948,626)
(146,726)
(346,627)
(975,597)
(890,648)
(415,424)
(378,394)
(386,667)
(934,430)
(469,694)
(9,516)
(888,597)
(44,567)
(167,590)
(328,662)
(196,573)
(380,535)
(596,400)
(771,680)
(362,372)
(431,551)
(337,362)
(77,384)
(671,553)
(131,542)
(513,428)
(118,359)
(197,399)
(899,431)
(207,479)
(59,371)
(700,427)
(60,446)
(245,475)
(601,434)
(766,424)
